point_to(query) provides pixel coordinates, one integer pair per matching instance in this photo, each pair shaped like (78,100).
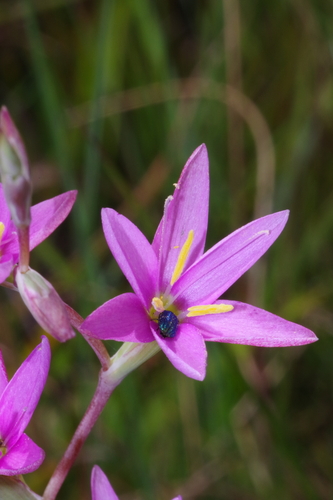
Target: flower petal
(24,457)
(247,324)
(48,215)
(20,397)
(186,351)
(6,266)
(3,375)
(101,489)
(122,318)
(187,209)
(224,263)
(133,252)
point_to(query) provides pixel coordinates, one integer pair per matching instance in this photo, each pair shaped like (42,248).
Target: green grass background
(111,97)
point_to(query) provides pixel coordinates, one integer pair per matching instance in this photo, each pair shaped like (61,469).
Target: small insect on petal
(167,324)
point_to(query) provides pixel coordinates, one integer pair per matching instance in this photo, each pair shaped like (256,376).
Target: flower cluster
(23,227)
(175,307)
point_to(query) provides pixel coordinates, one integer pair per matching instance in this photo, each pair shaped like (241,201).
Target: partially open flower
(44,304)
(18,400)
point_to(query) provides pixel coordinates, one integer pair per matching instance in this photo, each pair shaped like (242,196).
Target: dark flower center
(167,324)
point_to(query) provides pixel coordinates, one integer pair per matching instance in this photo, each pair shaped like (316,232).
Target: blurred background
(111,98)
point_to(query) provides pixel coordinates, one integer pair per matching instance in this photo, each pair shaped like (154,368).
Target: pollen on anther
(2,228)
(157,304)
(182,257)
(209,309)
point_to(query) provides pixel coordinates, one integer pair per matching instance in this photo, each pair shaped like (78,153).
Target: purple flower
(177,286)
(45,218)
(101,489)
(18,400)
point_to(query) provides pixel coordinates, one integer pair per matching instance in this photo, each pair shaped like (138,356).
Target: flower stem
(96,344)
(127,358)
(103,392)
(23,236)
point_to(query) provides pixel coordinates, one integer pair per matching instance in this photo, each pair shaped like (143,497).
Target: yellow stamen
(209,309)
(157,304)
(2,228)
(183,254)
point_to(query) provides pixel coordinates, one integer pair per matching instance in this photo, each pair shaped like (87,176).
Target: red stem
(96,344)
(23,237)
(103,392)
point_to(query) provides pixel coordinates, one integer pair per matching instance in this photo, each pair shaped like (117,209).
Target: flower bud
(14,169)
(44,304)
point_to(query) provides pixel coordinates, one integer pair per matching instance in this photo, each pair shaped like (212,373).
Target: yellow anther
(209,309)
(183,254)
(157,304)
(2,228)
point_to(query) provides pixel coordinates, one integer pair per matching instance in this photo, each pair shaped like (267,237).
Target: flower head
(45,218)
(18,400)
(177,286)
(101,489)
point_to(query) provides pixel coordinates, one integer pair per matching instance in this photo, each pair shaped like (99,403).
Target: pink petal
(48,215)
(186,351)
(250,325)
(224,263)
(122,318)
(20,397)
(6,266)
(3,375)
(133,252)
(101,489)
(187,209)
(24,457)
(156,244)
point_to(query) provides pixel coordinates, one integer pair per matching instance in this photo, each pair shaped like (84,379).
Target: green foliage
(98,92)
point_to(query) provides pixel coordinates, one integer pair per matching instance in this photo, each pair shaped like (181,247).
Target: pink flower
(45,218)
(18,400)
(177,286)
(101,489)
